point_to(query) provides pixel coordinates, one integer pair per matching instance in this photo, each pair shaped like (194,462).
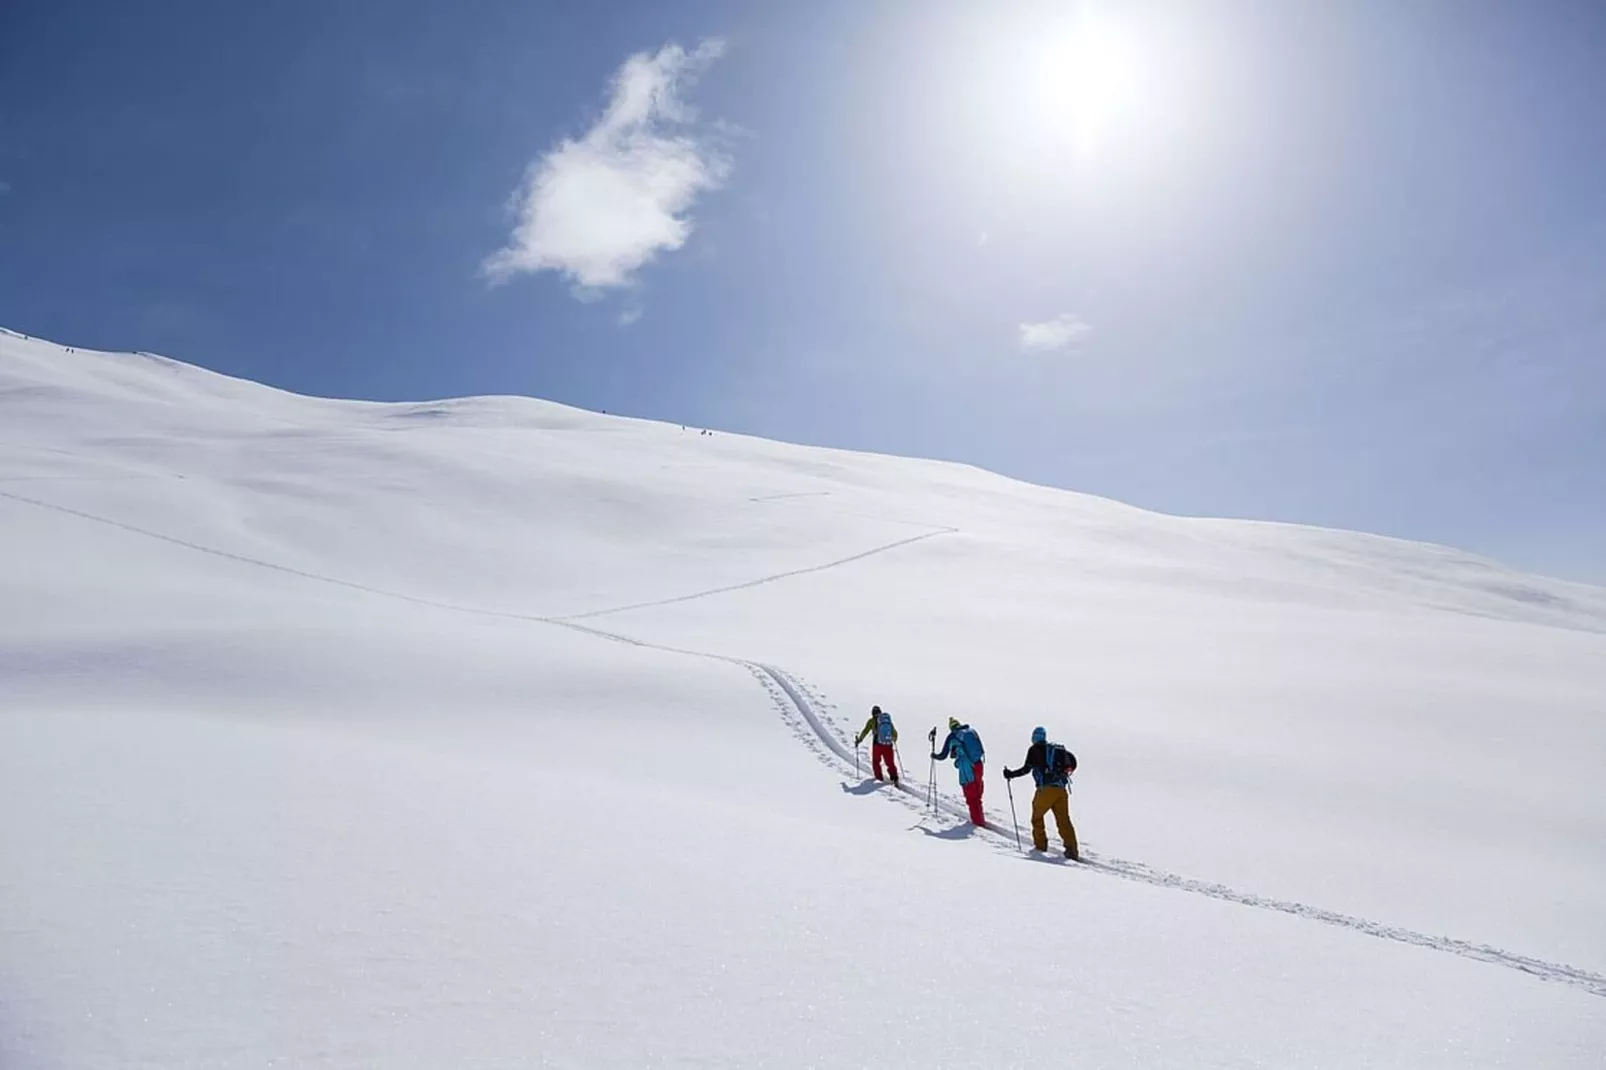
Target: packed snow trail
(459,608)
(798,710)
(763,579)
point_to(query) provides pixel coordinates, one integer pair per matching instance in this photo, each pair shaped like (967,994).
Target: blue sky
(1341,264)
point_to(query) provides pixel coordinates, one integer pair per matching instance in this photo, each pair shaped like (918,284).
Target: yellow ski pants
(1058,802)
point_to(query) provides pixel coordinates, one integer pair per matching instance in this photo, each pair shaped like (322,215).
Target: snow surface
(494,733)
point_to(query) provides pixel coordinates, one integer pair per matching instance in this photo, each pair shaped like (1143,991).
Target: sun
(1101,82)
(1093,78)
(1045,94)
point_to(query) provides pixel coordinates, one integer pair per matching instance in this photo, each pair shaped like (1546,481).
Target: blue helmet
(1039,734)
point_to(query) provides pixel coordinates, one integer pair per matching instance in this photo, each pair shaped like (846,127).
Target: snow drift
(491,732)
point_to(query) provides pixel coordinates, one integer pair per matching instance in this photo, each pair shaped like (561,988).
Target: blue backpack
(883,729)
(968,745)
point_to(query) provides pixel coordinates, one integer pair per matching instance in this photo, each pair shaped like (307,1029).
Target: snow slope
(491,732)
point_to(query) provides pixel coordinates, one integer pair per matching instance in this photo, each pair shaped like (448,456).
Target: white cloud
(1058,333)
(630,315)
(597,208)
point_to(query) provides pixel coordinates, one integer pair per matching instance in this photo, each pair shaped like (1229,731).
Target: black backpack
(1059,764)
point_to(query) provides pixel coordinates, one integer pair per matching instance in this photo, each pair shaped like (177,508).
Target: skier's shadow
(956,832)
(864,787)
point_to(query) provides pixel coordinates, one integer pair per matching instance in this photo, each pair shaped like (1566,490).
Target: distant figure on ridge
(1051,765)
(964,746)
(886,734)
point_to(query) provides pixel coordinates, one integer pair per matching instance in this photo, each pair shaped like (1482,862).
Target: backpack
(968,744)
(883,729)
(1058,765)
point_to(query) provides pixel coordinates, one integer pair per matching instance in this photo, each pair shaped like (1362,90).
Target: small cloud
(982,239)
(630,315)
(1058,333)
(597,208)
(5,187)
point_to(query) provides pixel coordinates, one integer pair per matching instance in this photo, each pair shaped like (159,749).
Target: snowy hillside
(494,733)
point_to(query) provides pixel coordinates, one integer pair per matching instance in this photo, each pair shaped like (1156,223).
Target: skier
(964,745)
(1051,765)
(886,734)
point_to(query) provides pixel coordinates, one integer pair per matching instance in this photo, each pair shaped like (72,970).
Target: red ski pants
(973,799)
(881,753)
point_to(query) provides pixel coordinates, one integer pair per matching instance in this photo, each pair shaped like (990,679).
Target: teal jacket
(964,746)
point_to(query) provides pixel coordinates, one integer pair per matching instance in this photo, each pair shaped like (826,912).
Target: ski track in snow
(1137,871)
(799,708)
(763,579)
(477,610)
(793,494)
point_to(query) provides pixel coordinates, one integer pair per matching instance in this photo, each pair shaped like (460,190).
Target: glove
(932,735)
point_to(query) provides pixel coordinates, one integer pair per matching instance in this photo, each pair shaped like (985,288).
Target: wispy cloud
(5,187)
(630,315)
(1058,333)
(597,208)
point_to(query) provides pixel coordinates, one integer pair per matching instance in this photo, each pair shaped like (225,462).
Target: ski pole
(1009,785)
(856,774)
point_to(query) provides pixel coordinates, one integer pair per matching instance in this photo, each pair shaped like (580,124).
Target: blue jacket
(964,746)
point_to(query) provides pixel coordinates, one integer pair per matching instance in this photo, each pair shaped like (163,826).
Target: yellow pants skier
(1051,765)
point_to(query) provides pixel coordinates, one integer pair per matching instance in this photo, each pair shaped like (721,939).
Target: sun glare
(1090,79)
(1090,82)
(1097,81)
